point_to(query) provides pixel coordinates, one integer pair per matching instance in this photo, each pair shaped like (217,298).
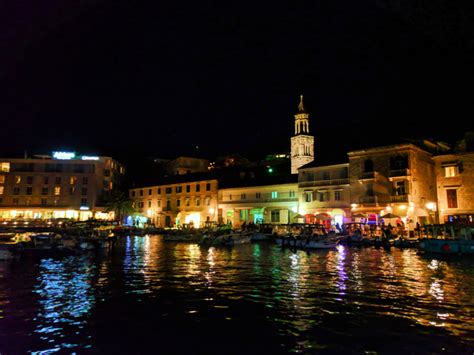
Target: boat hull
(443,246)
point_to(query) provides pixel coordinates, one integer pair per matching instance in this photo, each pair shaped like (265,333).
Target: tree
(121,204)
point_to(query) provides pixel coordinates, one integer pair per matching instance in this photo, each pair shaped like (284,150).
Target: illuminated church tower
(302,144)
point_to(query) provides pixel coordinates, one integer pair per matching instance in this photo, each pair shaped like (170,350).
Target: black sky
(159,78)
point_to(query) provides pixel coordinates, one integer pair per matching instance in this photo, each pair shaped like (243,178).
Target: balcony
(399,198)
(344,181)
(399,172)
(367,175)
(368,200)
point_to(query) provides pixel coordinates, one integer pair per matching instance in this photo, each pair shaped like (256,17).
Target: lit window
(17,179)
(111,185)
(208,201)
(450,171)
(57,190)
(2,179)
(275,216)
(72,180)
(5,167)
(274,194)
(1,190)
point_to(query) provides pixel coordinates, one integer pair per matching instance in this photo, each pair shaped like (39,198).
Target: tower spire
(301,106)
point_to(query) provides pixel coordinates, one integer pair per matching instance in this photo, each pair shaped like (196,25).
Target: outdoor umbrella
(389,216)
(359,215)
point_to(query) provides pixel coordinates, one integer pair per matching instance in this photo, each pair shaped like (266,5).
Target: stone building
(324,193)
(179,199)
(302,144)
(186,165)
(64,185)
(455,186)
(277,204)
(398,179)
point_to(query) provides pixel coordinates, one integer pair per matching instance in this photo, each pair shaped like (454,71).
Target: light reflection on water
(298,301)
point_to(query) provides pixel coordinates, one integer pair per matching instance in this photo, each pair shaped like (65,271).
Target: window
(57,180)
(44,201)
(29,190)
(198,201)
(2,179)
(308,196)
(179,189)
(168,205)
(106,172)
(141,192)
(84,191)
(208,201)
(452,198)
(44,191)
(188,188)
(29,180)
(275,216)
(324,196)
(1,200)
(2,188)
(274,194)
(188,201)
(208,186)
(133,193)
(57,190)
(46,180)
(243,196)
(159,203)
(17,179)
(258,195)
(168,190)
(149,192)
(230,197)
(400,188)
(450,171)
(198,187)
(78,168)
(158,191)
(337,195)
(368,166)
(16,190)
(292,194)
(149,203)
(16,201)
(178,202)
(84,202)
(5,167)
(72,180)
(85,181)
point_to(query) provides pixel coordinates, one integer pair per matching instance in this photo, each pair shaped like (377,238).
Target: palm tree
(121,204)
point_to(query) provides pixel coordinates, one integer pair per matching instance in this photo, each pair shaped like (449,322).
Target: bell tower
(302,144)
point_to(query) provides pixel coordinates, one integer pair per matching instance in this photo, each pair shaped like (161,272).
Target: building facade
(397,179)
(302,144)
(324,194)
(277,204)
(186,165)
(455,187)
(182,199)
(59,186)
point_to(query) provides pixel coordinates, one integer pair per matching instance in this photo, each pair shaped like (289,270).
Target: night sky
(156,78)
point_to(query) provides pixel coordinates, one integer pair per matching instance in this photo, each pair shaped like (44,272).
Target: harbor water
(151,296)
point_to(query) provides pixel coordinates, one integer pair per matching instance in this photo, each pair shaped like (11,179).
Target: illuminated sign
(84,208)
(64,155)
(87,157)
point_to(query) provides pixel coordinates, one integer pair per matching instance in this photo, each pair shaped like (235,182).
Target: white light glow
(86,157)
(64,155)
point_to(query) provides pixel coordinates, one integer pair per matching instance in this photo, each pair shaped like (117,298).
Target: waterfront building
(178,199)
(455,187)
(398,179)
(324,193)
(276,204)
(63,185)
(302,143)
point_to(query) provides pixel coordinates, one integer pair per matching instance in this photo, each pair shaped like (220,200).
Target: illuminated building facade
(276,204)
(324,194)
(177,200)
(63,185)
(302,144)
(187,165)
(398,179)
(455,185)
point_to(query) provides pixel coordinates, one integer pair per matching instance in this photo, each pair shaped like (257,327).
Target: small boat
(321,242)
(406,242)
(227,239)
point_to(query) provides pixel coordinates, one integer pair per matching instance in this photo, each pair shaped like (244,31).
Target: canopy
(322,216)
(389,215)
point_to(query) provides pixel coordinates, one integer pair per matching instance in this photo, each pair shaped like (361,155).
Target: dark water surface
(150,296)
